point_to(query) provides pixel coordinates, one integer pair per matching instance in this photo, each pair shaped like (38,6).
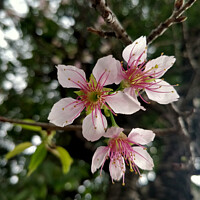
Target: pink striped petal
(65,111)
(107,71)
(113,132)
(117,168)
(142,158)
(99,158)
(94,126)
(123,103)
(141,136)
(133,51)
(157,67)
(162,92)
(71,77)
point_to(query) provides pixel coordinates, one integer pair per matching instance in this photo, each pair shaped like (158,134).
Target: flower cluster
(140,75)
(121,151)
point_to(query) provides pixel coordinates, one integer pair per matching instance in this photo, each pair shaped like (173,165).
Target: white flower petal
(99,158)
(162,92)
(71,77)
(107,71)
(123,103)
(94,126)
(141,136)
(113,131)
(133,51)
(159,65)
(142,158)
(65,111)
(117,168)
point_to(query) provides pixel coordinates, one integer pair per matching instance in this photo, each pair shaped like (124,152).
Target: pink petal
(113,132)
(117,168)
(142,158)
(133,51)
(94,126)
(65,111)
(162,92)
(123,103)
(107,70)
(160,65)
(99,158)
(141,136)
(71,77)
(131,91)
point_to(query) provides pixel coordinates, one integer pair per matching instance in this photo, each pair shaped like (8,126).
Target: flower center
(93,96)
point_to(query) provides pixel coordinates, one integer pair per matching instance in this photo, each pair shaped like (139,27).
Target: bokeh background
(35,36)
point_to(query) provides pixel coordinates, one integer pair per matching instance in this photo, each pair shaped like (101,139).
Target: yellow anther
(162,54)
(156,66)
(123,184)
(62,108)
(66,121)
(177,84)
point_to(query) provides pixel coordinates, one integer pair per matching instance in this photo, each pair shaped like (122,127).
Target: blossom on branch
(124,150)
(141,75)
(92,97)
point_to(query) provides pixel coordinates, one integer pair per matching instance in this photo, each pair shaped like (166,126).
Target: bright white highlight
(19,6)
(196,179)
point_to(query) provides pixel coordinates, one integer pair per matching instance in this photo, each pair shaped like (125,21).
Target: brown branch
(176,17)
(103,34)
(48,126)
(111,19)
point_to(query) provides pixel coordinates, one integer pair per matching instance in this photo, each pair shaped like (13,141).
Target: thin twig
(111,19)
(176,17)
(48,126)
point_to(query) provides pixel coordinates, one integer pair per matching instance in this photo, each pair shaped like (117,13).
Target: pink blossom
(141,75)
(92,97)
(124,150)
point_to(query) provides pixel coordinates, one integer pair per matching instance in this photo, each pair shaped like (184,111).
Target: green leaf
(30,127)
(93,80)
(106,111)
(79,93)
(37,158)
(65,159)
(18,149)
